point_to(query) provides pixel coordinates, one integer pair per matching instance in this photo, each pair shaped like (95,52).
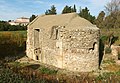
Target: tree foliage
(74,8)
(86,14)
(112,18)
(69,9)
(113,6)
(5,26)
(51,11)
(32,18)
(100,19)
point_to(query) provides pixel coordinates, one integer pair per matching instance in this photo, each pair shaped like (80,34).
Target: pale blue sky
(12,9)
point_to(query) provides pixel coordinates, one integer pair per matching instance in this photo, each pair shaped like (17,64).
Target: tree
(4,26)
(117,22)
(109,22)
(69,9)
(32,18)
(66,9)
(74,8)
(46,12)
(113,14)
(9,20)
(51,11)
(100,19)
(113,6)
(86,14)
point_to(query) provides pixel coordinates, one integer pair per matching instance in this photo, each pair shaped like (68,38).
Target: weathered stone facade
(65,41)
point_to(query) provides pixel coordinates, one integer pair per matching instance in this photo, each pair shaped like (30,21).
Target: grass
(112,77)
(24,33)
(35,73)
(30,74)
(112,67)
(12,43)
(110,61)
(46,70)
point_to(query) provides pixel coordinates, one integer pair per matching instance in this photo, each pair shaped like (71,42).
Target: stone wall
(75,50)
(115,51)
(80,50)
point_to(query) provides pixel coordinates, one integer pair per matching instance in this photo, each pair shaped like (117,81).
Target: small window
(37,58)
(54,32)
(37,30)
(36,38)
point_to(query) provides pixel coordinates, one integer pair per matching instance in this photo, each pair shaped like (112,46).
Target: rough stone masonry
(65,41)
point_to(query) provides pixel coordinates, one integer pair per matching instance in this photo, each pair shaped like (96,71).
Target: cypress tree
(100,19)
(51,11)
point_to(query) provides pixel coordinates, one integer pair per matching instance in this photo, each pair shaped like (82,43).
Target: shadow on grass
(33,66)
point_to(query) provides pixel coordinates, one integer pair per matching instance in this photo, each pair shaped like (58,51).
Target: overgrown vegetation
(11,74)
(16,73)
(5,26)
(113,33)
(108,50)
(45,70)
(109,77)
(110,17)
(12,43)
(111,61)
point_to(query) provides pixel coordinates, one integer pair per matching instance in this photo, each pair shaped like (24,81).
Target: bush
(104,39)
(108,50)
(8,76)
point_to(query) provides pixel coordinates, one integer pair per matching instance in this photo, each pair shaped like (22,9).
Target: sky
(13,9)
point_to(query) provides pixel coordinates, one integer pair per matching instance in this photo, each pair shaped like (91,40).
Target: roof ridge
(34,20)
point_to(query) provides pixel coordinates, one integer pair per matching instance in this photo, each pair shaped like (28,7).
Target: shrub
(104,39)
(108,50)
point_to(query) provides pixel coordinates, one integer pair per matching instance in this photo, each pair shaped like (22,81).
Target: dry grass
(11,43)
(112,67)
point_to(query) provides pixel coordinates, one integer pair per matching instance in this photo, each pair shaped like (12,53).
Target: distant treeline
(69,9)
(5,26)
(110,18)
